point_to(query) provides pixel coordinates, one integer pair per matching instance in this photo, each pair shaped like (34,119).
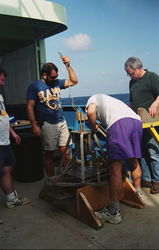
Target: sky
(101,36)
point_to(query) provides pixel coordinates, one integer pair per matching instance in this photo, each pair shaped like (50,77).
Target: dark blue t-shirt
(47,100)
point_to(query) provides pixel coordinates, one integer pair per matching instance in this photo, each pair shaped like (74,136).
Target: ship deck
(40,225)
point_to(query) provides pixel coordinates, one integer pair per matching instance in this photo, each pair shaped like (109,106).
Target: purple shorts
(6,157)
(123,139)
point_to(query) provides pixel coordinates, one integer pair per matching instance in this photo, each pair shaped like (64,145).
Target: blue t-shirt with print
(47,100)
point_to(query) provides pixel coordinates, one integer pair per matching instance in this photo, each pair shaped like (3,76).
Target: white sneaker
(141,195)
(106,216)
(17,201)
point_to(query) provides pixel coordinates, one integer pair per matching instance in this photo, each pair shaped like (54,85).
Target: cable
(70,96)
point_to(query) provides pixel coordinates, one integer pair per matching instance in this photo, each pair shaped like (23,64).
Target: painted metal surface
(24,21)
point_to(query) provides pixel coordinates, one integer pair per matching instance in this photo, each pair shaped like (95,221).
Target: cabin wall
(23,67)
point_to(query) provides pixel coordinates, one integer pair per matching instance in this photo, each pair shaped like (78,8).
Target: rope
(71,100)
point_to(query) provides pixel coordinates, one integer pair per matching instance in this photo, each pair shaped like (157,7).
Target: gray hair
(133,62)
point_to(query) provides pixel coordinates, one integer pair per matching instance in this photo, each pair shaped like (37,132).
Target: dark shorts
(123,139)
(6,157)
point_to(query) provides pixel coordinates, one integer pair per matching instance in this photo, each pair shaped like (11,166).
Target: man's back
(110,109)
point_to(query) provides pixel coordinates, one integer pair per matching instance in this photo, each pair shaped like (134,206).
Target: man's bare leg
(48,162)
(116,179)
(67,156)
(135,172)
(136,175)
(6,180)
(12,198)
(112,212)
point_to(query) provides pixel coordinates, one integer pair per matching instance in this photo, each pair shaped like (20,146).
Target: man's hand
(72,76)
(65,59)
(16,138)
(152,110)
(94,128)
(36,130)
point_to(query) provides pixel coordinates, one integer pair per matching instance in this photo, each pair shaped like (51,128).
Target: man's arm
(72,76)
(130,105)
(91,113)
(14,135)
(31,116)
(153,107)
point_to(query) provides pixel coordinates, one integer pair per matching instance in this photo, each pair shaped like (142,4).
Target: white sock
(138,190)
(10,197)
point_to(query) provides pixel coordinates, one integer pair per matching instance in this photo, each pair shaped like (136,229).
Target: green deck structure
(24,25)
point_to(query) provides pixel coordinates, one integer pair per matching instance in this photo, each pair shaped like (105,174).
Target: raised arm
(72,75)
(31,116)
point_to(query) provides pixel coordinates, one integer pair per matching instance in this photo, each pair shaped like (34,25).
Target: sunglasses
(53,77)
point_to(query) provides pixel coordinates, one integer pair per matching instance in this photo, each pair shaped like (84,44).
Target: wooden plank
(20,123)
(131,204)
(146,117)
(44,191)
(86,212)
(130,195)
(149,122)
(90,199)
(97,197)
(88,218)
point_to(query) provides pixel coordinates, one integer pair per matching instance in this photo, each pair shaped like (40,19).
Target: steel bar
(66,184)
(68,165)
(98,178)
(94,163)
(100,147)
(89,143)
(82,157)
(64,154)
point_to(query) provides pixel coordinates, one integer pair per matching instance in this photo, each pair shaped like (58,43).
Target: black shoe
(147,184)
(155,188)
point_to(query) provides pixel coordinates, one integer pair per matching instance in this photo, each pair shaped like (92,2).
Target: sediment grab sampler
(83,187)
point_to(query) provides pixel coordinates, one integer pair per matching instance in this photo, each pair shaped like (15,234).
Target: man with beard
(46,95)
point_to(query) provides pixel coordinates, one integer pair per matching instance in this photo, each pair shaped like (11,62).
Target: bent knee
(48,154)
(7,170)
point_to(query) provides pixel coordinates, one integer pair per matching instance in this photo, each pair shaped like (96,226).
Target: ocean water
(82,100)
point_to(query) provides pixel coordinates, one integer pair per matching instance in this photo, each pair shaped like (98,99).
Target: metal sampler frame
(80,193)
(75,175)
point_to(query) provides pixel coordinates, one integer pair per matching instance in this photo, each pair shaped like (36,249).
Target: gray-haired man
(144,93)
